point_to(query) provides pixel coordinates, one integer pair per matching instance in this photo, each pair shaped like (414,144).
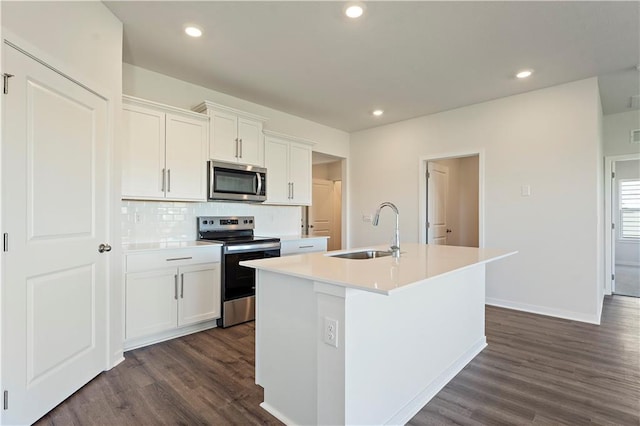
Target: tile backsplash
(159,221)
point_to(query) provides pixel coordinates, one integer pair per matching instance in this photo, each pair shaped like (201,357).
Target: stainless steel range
(235,233)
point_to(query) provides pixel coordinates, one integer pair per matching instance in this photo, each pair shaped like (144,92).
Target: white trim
(168,335)
(544,310)
(416,404)
(422,190)
(277,414)
(633,264)
(609,246)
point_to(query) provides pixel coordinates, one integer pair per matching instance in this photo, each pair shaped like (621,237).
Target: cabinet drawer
(147,260)
(306,245)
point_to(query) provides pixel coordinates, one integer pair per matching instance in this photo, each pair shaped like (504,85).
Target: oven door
(237,182)
(240,281)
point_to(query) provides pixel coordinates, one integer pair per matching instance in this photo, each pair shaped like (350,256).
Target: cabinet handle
(171,259)
(240,147)
(289,195)
(168,180)
(292,191)
(175,287)
(181,286)
(163,180)
(305,247)
(237,147)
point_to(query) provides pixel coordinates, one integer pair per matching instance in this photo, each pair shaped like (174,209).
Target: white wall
(157,87)
(548,139)
(616,133)
(82,40)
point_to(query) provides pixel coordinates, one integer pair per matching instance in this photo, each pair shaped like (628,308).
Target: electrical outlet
(331,332)
(137,218)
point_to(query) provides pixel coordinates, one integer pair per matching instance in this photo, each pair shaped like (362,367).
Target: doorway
(625,229)
(324,216)
(450,200)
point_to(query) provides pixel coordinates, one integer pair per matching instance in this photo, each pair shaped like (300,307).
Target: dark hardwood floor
(536,370)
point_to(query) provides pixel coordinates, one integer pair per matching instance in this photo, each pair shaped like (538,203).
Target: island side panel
(286,333)
(401,349)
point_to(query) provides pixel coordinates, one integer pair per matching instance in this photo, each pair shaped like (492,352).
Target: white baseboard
(544,310)
(632,264)
(277,414)
(412,408)
(168,335)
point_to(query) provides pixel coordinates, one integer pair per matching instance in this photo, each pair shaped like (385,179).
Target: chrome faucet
(395,247)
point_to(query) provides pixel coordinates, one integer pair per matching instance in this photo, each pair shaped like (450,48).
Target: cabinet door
(199,298)
(186,158)
(151,302)
(276,158)
(300,173)
(143,153)
(251,150)
(224,131)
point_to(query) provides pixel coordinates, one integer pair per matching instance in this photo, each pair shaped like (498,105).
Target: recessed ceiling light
(524,73)
(377,112)
(354,11)
(193,31)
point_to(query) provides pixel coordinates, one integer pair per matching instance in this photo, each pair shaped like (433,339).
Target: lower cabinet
(163,301)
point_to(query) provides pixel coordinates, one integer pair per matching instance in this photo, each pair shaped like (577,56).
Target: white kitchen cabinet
(235,136)
(290,246)
(164,152)
(170,293)
(288,163)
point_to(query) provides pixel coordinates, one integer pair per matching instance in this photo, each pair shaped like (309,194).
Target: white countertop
(418,262)
(166,245)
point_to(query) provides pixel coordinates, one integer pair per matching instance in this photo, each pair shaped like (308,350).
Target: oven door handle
(251,247)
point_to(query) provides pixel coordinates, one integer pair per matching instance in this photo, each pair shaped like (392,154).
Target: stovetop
(230,230)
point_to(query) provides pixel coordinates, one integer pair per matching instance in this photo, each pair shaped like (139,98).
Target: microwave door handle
(211,176)
(259,184)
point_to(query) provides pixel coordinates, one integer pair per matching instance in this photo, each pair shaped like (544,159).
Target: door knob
(104,247)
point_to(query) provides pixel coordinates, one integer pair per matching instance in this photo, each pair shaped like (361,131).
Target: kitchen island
(366,341)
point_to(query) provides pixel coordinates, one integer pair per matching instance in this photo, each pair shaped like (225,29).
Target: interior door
(321,210)
(437,194)
(55,212)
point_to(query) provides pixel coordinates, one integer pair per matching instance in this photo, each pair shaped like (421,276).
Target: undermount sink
(363,254)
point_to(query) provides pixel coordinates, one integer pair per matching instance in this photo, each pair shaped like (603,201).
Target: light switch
(525,190)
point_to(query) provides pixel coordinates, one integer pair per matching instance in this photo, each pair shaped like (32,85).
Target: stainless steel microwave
(237,182)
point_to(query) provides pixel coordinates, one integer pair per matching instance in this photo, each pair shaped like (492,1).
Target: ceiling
(408,58)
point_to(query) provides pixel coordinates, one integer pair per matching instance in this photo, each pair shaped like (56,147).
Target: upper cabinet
(288,163)
(164,154)
(235,136)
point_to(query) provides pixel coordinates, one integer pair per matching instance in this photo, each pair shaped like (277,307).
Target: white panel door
(276,159)
(251,145)
(321,210)
(224,132)
(186,158)
(437,194)
(199,298)
(143,153)
(300,174)
(55,209)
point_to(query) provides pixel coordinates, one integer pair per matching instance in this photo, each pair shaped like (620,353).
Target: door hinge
(428,175)
(5,242)
(428,225)
(5,400)
(5,78)
(613,175)
(613,226)
(613,277)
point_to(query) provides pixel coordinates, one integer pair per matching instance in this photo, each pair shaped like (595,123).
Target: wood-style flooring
(536,370)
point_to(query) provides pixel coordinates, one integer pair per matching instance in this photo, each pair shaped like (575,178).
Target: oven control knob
(246,221)
(250,220)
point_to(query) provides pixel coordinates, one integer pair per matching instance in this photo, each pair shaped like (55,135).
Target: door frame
(422,190)
(609,241)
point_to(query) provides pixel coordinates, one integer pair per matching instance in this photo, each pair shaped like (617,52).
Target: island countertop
(385,275)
